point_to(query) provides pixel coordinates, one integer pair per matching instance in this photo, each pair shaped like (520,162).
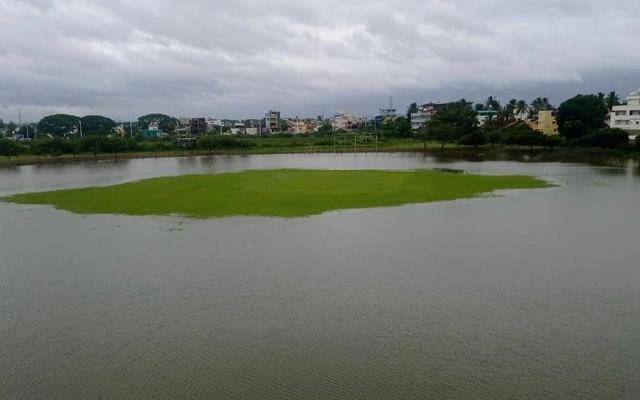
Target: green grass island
(275,193)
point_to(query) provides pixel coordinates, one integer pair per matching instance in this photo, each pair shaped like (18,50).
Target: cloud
(238,59)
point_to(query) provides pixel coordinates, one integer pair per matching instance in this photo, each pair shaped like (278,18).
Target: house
(343,121)
(153,131)
(272,122)
(238,128)
(297,126)
(545,123)
(419,120)
(485,116)
(627,116)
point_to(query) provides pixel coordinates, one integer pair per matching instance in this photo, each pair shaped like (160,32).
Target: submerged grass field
(280,193)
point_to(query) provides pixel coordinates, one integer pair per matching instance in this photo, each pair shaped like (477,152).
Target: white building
(419,120)
(485,116)
(238,129)
(627,117)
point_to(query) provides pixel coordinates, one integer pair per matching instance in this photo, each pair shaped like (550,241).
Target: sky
(240,58)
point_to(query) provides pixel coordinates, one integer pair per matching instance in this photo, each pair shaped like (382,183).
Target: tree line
(581,123)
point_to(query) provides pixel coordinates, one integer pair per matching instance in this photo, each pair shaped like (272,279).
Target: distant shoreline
(520,153)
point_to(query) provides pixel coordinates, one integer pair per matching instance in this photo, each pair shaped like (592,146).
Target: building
(238,128)
(296,126)
(343,121)
(153,131)
(272,122)
(419,120)
(627,116)
(545,124)
(386,114)
(197,126)
(251,130)
(485,116)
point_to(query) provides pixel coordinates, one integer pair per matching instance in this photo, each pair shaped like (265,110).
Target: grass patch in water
(279,193)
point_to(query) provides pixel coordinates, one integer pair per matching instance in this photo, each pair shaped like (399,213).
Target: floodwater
(529,295)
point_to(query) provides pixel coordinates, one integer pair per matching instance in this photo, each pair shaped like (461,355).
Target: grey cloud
(238,59)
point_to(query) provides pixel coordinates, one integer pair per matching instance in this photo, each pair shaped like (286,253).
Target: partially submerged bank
(277,193)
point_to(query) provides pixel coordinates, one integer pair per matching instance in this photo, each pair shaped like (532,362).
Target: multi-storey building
(627,116)
(545,124)
(272,122)
(343,121)
(297,126)
(419,120)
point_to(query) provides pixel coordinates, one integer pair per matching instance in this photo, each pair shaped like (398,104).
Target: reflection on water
(533,294)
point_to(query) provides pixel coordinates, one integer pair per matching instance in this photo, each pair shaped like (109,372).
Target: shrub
(606,138)
(473,139)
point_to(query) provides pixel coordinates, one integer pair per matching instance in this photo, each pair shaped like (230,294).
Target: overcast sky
(124,58)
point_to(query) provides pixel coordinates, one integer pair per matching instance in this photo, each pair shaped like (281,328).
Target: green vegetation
(97,125)
(165,122)
(282,193)
(58,124)
(580,115)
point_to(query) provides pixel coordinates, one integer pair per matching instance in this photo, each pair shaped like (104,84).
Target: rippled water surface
(532,294)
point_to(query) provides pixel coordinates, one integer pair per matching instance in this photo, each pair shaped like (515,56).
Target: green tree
(57,146)
(521,107)
(165,122)
(401,127)
(10,128)
(8,148)
(440,132)
(58,124)
(208,143)
(325,129)
(612,100)
(580,115)
(115,145)
(413,108)
(492,104)
(459,116)
(92,144)
(508,110)
(606,138)
(97,125)
(475,139)
(540,104)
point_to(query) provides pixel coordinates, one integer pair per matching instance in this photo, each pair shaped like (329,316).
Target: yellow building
(545,124)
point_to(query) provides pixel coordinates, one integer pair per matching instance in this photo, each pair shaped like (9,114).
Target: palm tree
(540,104)
(521,107)
(612,100)
(492,103)
(507,112)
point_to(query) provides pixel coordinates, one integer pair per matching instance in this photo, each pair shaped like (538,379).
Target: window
(621,112)
(634,112)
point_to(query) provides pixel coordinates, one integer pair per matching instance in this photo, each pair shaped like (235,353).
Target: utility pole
(130,130)
(80,121)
